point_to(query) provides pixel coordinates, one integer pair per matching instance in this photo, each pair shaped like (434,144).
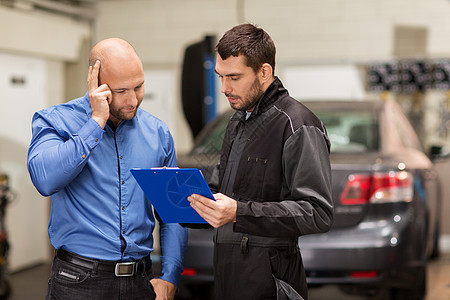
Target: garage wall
(34,50)
(303,30)
(23,82)
(40,34)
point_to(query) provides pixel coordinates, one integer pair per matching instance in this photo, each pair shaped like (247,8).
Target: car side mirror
(438,152)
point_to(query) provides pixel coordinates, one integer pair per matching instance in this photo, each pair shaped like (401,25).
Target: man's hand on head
(99,96)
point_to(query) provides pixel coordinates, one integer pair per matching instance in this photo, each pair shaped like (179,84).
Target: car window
(348,132)
(351,131)
(405,131)
(212,141)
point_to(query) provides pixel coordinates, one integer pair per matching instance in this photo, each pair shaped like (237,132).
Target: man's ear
(265,73)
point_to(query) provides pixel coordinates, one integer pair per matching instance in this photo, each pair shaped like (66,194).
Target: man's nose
(131,100)
(226,87)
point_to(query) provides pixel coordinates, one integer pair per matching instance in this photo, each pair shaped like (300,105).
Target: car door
(431,188)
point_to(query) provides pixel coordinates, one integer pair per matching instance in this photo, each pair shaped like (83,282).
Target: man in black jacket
(274,175)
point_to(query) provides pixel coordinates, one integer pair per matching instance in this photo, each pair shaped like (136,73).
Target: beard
(120,115)
(249,102)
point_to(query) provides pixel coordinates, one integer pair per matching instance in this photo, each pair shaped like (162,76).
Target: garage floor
(32,283)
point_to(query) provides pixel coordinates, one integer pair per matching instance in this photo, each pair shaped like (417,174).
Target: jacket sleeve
(55,160)
(214,180)
(307,205)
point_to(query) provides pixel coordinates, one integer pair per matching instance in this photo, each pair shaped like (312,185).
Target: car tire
(199,291)
(418,290)
(436,251)
(5,289)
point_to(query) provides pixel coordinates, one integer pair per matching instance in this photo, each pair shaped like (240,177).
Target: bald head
(111,49)
(115,56)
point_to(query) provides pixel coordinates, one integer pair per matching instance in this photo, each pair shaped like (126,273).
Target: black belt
(226,235)
(128,268)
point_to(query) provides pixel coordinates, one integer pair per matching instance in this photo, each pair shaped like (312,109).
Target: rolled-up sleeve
(56,158)
(173,247)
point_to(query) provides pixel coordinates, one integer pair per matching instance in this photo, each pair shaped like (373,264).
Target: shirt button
(123,182)
(83,156)
(96,140)
(123,232)
(123,207)
(121,157)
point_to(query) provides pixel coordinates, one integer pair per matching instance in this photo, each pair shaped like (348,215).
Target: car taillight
(378,188)
(367,274)
(189,272)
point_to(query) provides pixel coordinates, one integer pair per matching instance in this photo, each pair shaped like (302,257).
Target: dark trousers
(239,275)
(72,282)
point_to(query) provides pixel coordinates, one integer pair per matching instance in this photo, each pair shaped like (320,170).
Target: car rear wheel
(203,291)
(416,291)
(5,288)
(369,292)
(435,252)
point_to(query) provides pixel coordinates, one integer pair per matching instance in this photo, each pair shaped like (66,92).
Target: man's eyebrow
(124,89)
(228,75)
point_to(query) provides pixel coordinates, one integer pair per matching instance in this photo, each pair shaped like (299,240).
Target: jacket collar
(270,96)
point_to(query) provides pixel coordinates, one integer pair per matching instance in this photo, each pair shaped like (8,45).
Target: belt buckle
(244,245)
(125,269)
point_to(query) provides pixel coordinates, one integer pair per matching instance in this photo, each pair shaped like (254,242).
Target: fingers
(100,97)
(216,213)
(163,289)
(104,93)
(100,92)
(201,206)
(204,206)
(93,76)
(203,200)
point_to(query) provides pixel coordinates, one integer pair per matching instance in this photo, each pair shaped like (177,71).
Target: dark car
(387,205)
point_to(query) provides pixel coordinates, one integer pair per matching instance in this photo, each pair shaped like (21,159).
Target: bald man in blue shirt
(101,223)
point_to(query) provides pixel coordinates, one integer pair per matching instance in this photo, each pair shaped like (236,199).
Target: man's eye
(234,78)
(120,92)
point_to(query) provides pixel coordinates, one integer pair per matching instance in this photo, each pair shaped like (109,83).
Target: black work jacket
(283,181)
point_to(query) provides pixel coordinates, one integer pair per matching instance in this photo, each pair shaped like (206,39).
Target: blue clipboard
(168,189)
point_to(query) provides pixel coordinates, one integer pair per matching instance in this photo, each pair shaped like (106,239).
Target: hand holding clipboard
(168,190)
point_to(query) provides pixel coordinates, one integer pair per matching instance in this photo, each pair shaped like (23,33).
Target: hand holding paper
(168,190)
(216,213)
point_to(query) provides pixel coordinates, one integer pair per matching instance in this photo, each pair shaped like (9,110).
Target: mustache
(232,96)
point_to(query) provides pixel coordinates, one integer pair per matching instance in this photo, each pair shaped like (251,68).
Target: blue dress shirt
(97,208)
